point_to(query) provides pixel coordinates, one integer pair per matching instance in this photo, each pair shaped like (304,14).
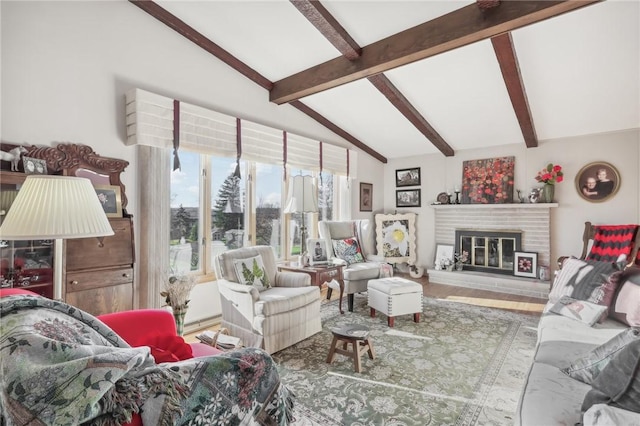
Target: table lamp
(302,198)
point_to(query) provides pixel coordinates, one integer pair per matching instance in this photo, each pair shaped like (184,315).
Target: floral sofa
(586,367)
(124,368)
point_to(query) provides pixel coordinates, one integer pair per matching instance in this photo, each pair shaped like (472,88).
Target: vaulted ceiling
(406,78)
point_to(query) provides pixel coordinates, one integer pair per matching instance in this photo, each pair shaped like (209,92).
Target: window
(222,212)
(186,210)
(194,223)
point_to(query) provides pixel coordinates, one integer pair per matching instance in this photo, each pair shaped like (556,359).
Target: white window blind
(261,143)
(207,132)
(303,153)
(149,119)
(334,160)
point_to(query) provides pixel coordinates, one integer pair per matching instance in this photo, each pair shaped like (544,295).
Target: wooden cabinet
(98,276)
(27,265)
(97,273)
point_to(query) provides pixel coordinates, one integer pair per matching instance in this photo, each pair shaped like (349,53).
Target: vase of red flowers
(550,175)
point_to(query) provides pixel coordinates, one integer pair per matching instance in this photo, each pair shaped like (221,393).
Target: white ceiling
(581,70)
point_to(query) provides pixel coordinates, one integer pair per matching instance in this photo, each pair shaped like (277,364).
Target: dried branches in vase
(176,294)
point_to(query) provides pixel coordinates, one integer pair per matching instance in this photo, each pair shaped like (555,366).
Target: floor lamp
(302,198)
(54,208)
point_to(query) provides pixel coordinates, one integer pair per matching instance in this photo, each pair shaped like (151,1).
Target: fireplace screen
(489,251)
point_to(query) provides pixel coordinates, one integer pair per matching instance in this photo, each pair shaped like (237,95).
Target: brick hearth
(533,220)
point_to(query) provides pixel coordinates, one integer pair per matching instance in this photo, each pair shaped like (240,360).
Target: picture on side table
(110,199)
(597,182)
(366,197)
(525,264)
(408,198)
(408,177)
(318,253)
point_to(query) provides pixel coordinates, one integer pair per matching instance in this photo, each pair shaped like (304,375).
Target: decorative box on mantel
(533,220)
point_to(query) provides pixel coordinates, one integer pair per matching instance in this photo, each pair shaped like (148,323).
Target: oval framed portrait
(597,182)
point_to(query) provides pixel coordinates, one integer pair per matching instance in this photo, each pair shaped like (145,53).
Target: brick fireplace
(531,221)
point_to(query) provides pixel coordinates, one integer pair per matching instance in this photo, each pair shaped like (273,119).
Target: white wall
(621,149)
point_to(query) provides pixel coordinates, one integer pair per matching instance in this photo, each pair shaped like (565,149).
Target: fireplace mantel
(495,206)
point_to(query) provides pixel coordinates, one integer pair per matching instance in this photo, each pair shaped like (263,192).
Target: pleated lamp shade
(302,197)
(55,207)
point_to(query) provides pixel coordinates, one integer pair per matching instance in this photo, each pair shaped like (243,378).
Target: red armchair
(155,328)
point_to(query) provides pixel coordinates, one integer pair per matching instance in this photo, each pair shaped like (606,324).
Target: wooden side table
(319,274)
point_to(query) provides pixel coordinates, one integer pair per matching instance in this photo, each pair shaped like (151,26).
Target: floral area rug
(461,365)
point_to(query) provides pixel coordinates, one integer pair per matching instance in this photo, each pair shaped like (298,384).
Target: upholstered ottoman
(395,296)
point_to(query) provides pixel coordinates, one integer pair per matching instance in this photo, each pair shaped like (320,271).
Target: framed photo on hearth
(444,256)
(525,264)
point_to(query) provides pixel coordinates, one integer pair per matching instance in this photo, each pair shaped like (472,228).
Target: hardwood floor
(514,303)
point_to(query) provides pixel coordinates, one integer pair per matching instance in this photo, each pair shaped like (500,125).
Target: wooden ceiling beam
(391,92)
(191,34)
(508,61)
(329,27)
(456,29)
(337,130)
(338,36)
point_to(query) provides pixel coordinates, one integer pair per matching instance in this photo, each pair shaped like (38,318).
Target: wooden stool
(358,336)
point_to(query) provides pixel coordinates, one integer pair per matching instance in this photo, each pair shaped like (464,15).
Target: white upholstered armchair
(356,275)
(273,318)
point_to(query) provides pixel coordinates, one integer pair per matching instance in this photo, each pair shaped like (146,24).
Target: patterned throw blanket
(62,366)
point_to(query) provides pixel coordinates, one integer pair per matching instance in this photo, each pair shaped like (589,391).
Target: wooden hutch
(97,274)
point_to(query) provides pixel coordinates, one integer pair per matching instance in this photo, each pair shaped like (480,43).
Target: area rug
(461,365)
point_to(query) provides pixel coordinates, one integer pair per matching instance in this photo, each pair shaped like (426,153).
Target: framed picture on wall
(525,264)
(408,177)
(408,198)
(597,182)
(488,181)
(366,197)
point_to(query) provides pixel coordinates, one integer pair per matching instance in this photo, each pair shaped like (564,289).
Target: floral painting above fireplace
(488,181)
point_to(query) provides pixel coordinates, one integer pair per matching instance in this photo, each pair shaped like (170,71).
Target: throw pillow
(585,280)
(618,384)
(587,368)
(626,307)
(348,250)
(581,310)
(251,271)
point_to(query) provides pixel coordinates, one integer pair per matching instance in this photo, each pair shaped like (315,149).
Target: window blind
(303,153)
(149,120)
(260,143)
(207,132)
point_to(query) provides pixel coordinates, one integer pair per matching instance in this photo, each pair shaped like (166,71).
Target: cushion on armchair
(348,249)
(251,271)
